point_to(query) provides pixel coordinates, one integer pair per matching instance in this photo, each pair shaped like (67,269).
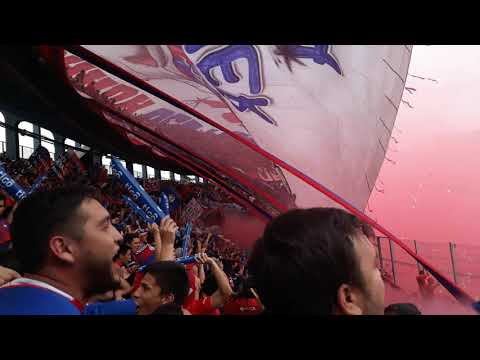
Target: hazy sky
(432,191)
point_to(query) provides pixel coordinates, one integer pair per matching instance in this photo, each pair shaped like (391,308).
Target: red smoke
(441,304)
(242,228)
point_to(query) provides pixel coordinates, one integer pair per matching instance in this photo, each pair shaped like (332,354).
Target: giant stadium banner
(269,95)
(284,126)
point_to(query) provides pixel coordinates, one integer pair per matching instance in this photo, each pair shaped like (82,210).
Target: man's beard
(99,276)
(372,307)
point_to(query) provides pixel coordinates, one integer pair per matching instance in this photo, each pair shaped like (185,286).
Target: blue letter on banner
(137,209)
(186,238)
(10,186)
(164,204)
(139,195)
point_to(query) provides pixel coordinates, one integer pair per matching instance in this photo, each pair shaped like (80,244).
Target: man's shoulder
(25,300)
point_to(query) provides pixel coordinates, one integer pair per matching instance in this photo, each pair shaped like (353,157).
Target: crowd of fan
(73,247)
(216,282)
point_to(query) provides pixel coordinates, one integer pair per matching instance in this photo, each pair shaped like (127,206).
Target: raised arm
(201,273)
(222,295)
(157,240)
(168,228)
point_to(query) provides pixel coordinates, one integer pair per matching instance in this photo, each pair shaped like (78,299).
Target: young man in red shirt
(164,240)
(122,259)
(244,302)
(142,252)
(210,304)
(194,283)
(163,289)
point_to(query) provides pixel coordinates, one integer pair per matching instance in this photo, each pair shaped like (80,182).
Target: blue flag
(124,222)
(173,198)
(137,193)
(38,181)
(10,186)
(164,203)
(183,260)
(137,210)
(186,238)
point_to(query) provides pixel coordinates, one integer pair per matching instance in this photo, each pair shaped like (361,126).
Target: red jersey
(4,232)
(189,267)
(191,283)
(9,201)
(242,306)
(122,269)
(202,307)
(142,255)
(136,282)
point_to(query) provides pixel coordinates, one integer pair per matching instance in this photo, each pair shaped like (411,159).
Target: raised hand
(205,259)
(168,228)
(154,229)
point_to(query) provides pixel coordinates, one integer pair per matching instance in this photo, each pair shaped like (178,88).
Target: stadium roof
(30,91)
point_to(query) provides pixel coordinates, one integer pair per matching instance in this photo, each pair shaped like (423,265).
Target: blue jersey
(115,307)
(31,297)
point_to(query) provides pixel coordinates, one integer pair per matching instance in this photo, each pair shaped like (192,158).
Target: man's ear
(62,248)
(349,300)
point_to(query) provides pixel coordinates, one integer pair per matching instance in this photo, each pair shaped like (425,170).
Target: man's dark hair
(3,197)
(128,238)
(169,309)
(402,309)
(9,260)
(243,290)
(124,248)
(209,286)
(302,259)
(43,214)
(368,231)
(172,279)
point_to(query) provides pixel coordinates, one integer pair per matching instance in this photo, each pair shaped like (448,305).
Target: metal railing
(456,261)
(25,151)
(138,175)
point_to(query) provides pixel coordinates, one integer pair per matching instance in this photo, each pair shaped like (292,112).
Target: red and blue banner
(67,164)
